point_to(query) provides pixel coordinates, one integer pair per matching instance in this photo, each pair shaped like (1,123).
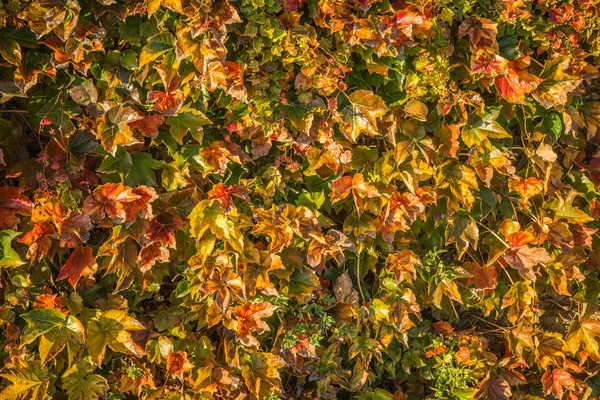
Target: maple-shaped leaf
(28,380)
(228,76)
(495,388)
(167,103)
(114,128)
(162,228)
(12,202)
(582,334)
(490,65)
(261,373)
(556,381)
(81,384)
(157,46)
(557,84)
(463,232)
(480,129)
(178,364)
(109,199)
(362,114)
(482,277)
(208,215)
(174,5)
(523,257)
(513,85)
(113,329)
(458,182)
(9,258)
(56,332)
(80,263)
(224,194)
(148,125)
(526,188)
(189,121)
(249,318)
(403,264)
(482,34)
(521,302)
(355,185)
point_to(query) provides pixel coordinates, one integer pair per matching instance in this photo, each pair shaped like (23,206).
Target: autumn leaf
(81,262)
(80,384)
(114,128)
(112,328)
(56,332)
(362,114)
(557,381)
(343,186)
(582,334)
(9,258)
(523,257)
(517,82)
(12,202)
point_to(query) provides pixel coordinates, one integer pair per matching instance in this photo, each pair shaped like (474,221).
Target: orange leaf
(556,381)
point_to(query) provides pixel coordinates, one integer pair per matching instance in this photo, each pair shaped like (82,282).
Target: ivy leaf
(81,262)
(55,331)
(186,122)
(12,202)
(481,130)
(27,381)
(113,329)
(114,129)
(583,334)
(9,258)
(157,45)
(362,114)
(556,381)
(80,384)
(142,165)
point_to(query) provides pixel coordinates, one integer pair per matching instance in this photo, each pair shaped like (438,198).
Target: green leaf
(80,384)
(157,46)
(186,122)
(9,258)
(141,172)
(121,162)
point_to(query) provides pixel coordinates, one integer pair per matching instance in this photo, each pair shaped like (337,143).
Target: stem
(357,273)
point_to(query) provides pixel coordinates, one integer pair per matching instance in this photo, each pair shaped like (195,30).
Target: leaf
(557,84)
(80,263)
(114,128)
(113,329)
(464,233)
(157,45)
(209,216)
(495,388)
(403,264)
(483,129)
(80,384)
(56,332)
(142,165)
(10,50)
(556,381)
(261,373)
(582,334)
(362,113)
(517,82)
(12,202)
(9,258)
(186,122)
(416,109)
(27,381)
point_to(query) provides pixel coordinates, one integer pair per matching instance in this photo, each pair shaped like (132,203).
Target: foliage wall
(333,199)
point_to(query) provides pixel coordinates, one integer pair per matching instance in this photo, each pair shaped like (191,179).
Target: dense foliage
(262,199)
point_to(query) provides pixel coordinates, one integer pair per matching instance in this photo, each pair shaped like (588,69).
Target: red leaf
(80,262)
(12,202)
